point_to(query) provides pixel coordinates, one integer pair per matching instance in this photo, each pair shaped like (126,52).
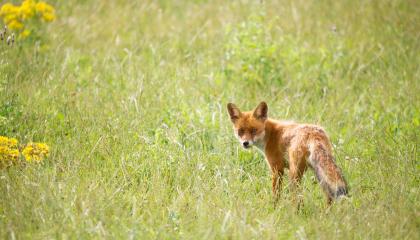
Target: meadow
(130,97)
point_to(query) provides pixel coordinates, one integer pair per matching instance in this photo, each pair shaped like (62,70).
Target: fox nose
(246,144)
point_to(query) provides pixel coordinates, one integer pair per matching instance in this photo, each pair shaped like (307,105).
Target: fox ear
(234,112)
(261,111)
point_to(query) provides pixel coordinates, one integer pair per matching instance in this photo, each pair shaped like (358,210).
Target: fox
(286,144)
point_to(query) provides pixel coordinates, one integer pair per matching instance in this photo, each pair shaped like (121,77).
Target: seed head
(5,30)
(9,40)
(13,38)
(1,36)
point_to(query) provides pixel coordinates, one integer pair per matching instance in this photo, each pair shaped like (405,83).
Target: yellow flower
(27,9)
(8,142)
(40,7)
(15,25)
(35,152)
(14,154)
(46,11)
(48,17)
(9,153)
(25,33)
(8,8)
(9,17)
(18,18)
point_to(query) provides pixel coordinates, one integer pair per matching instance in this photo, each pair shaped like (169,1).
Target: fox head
(249,126)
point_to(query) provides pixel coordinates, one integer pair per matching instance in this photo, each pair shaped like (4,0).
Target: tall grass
(131,95)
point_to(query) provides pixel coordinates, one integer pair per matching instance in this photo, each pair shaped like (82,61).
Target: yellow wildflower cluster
(9,152)
(15,16)
(35,152)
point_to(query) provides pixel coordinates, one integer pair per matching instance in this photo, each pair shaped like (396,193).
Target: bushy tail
(328,173)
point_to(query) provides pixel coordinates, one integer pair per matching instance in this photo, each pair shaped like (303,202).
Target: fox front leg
(277,179)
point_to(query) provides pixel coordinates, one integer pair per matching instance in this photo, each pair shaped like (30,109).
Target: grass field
(131,98)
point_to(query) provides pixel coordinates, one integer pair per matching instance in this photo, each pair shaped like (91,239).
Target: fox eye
(241,131)
(253,131)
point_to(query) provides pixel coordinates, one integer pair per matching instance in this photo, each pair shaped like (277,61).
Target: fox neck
(261,143)
(260,146)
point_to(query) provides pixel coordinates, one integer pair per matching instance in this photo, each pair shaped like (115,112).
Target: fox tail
(327,172)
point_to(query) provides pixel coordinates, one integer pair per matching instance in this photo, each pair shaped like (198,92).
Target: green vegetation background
(131,96)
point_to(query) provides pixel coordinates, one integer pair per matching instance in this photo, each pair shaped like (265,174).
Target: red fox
(304,144)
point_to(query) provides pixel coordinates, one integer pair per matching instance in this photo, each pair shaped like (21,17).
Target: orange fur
(305,145)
